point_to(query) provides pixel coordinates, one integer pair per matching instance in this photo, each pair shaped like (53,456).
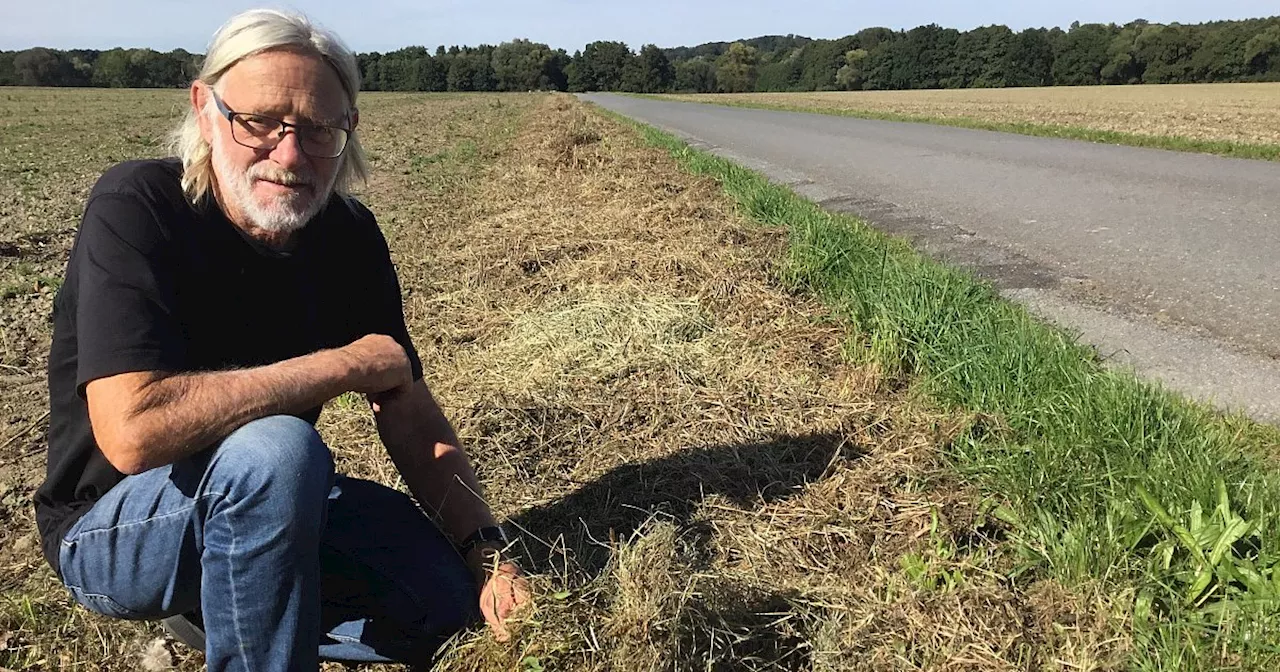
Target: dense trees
(650,72)
(696,74)
(521,65)
(875,58)
(1030,58)
(1081,55)
(601,66)
(736,69)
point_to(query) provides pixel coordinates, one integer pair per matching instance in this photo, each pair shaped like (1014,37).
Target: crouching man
(212,304)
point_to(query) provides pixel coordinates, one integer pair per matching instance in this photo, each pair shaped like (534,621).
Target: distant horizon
(165,25)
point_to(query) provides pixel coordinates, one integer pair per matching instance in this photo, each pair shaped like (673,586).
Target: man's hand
(503,590)
(425,450)
(378,364)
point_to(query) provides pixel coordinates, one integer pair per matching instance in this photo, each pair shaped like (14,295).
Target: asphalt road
(1166,261)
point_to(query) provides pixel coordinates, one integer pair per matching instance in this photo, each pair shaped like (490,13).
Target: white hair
(249,34)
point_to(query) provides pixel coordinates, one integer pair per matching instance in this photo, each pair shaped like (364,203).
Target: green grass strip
(1102,478)
(1237,150)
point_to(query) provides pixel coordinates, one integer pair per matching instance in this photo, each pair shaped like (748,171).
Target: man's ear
(355,117)
(200,99)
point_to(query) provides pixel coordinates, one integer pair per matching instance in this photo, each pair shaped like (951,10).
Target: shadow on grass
(611,508)
(716,624)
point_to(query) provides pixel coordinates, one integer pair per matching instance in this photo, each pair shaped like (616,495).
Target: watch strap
(483,535)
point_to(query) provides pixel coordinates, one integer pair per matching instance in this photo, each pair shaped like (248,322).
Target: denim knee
(280,456)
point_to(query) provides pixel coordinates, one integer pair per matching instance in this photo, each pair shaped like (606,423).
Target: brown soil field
(699,477)
(1240,113)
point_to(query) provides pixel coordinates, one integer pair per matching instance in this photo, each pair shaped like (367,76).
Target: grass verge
(1238,150)
(1099,476)
(701,479)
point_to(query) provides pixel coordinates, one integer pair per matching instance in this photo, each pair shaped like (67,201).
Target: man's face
(277,189)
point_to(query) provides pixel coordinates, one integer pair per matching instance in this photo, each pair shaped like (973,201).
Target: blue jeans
(287,563)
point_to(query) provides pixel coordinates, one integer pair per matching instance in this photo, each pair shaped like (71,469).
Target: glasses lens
(254,131)
(322,141)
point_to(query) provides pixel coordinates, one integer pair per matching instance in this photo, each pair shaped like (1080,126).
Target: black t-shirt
(156,283)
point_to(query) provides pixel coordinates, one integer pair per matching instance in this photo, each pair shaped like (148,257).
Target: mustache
(280,176)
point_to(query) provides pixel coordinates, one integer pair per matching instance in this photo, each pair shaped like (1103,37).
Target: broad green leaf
(1224,506)
(1202,580)
(1155,508)
(1207,535)
(1235,531)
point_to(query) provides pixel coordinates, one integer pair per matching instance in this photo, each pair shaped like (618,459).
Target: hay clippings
(156,656)
(699,475)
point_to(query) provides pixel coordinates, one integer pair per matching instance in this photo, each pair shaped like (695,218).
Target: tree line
(926,57)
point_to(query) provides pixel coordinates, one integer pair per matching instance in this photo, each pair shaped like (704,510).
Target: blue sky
(383,25)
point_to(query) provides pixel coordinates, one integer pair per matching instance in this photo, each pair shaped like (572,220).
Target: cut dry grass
(1234,119)
(701,478)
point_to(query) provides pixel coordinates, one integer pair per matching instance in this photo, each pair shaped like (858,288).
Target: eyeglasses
(258,132)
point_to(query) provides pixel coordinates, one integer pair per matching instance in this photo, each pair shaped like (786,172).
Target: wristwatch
(484,535)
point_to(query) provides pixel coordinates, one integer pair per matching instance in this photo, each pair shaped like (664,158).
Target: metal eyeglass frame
(229,114)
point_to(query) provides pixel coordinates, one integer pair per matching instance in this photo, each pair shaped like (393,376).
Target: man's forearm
(426,452)
(148,419)
(173,416)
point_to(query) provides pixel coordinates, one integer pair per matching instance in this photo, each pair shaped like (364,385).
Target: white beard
(280,214)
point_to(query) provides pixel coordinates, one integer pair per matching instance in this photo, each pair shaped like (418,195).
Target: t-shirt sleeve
(125,296)
(384,310)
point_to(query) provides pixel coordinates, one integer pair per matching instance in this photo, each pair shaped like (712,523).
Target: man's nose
(288,150)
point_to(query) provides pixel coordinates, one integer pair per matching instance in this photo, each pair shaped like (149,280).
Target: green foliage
(852,75)
(7,75)
(369,70)
(982,59)
(1262,53)
(43,67)
(819,61)
(1030,58)
(471,70)
(1124,61)
(1216,558)
(1081,54)
(736,69)
(779,72)
(1222,56)
(713,50)
(922,59)
(521,65)
(1167,52)
(603,65)
(697,75)
(403,70)
(573,73)
(650,72)
(433,75)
